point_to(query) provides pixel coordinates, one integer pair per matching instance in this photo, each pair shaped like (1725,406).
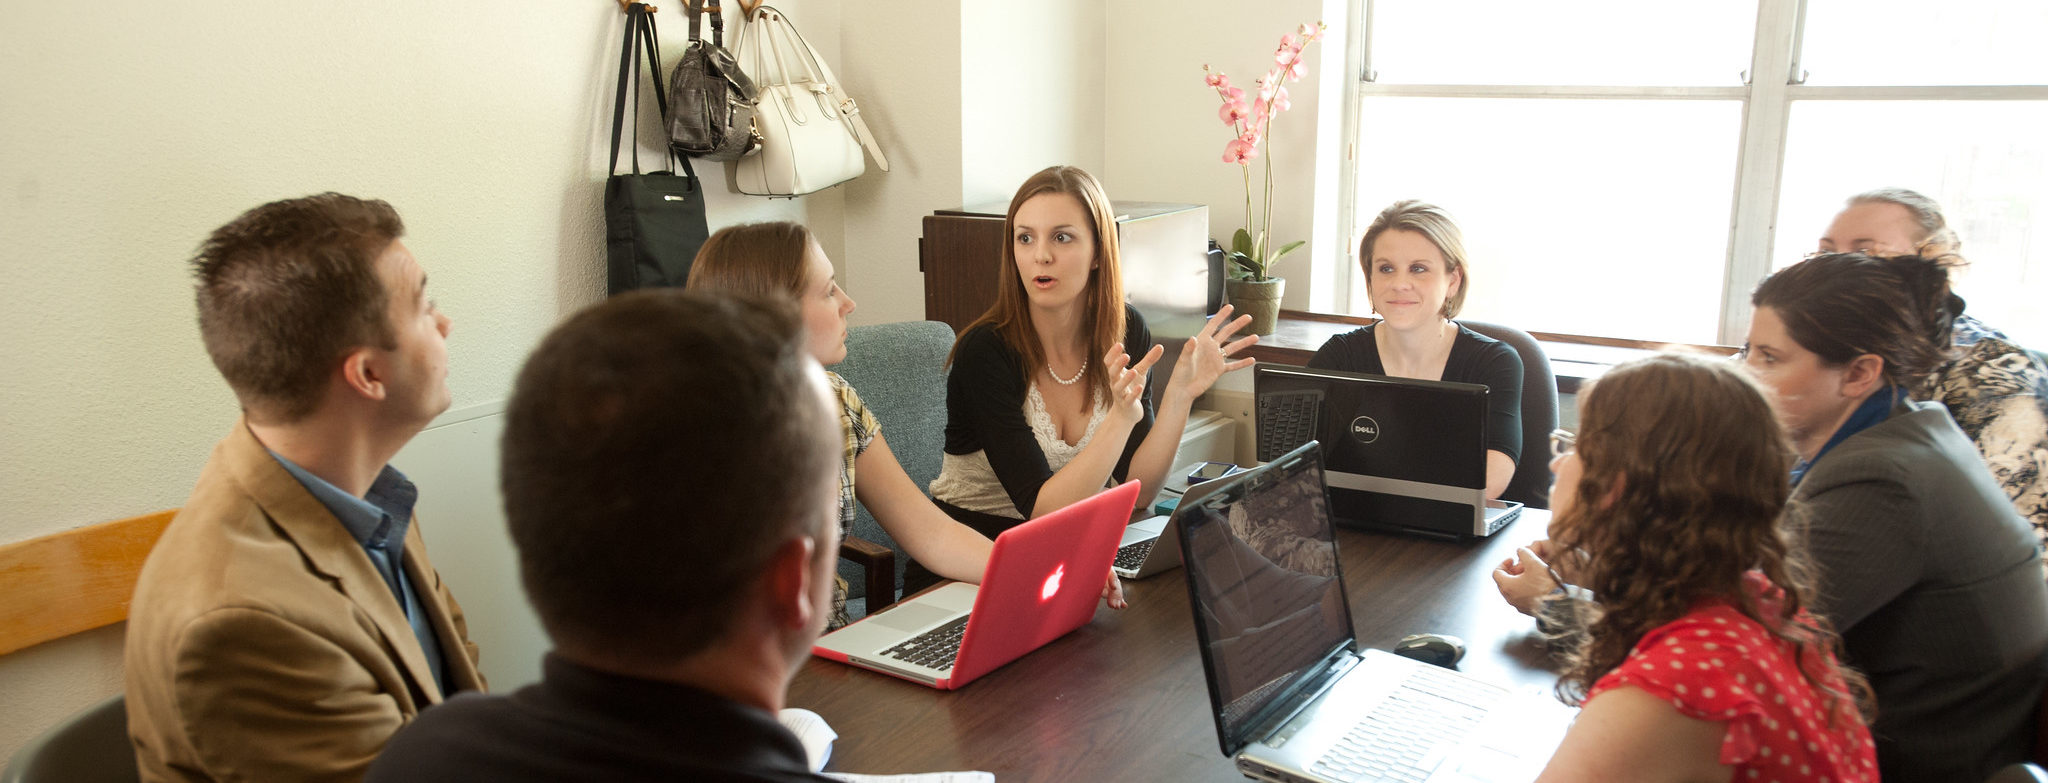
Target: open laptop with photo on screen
(1401,454)
(1293,697)
(1044,578)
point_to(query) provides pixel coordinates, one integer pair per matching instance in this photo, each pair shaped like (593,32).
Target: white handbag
(811,131)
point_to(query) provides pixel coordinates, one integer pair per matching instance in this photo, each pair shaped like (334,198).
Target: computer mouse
(1439,649)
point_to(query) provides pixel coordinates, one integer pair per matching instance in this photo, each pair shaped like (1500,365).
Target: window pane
(1615,42)
(1596,217)
(1985,162)
(1914,42)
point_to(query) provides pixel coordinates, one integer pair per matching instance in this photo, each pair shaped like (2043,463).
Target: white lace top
(967,481)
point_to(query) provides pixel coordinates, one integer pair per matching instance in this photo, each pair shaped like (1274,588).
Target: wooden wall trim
(70,582)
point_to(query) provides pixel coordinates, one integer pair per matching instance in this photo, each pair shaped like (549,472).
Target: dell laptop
(1293,697)
(1044,578)
(1401,454)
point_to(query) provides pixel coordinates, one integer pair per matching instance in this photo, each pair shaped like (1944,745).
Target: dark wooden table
(1123,699)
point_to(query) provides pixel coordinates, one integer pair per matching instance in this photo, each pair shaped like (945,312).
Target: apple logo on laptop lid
(1052,583)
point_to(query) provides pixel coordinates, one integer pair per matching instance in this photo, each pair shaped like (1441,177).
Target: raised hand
(1210,353)
(1127,382)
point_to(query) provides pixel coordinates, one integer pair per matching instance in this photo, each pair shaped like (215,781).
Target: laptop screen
(1400,452)
(1262,577)
(1432,432)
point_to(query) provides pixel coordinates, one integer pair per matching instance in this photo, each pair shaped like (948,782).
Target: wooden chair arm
(74,581)
(879,563)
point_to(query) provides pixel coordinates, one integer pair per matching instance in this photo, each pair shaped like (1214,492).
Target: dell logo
(1365,430)
(1052,583)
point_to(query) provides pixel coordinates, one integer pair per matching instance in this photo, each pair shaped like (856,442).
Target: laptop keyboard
(1131,557)
(1407,735)
(1287,419)
(934,649)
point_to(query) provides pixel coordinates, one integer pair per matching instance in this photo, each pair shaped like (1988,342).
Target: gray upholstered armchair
(899,370)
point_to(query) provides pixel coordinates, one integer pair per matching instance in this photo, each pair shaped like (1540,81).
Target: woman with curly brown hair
(1700,661)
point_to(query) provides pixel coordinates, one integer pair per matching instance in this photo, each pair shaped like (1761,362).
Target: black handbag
(710,100)
(654,222)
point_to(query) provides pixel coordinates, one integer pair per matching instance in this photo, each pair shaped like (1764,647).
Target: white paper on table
(810,729)
(917,777)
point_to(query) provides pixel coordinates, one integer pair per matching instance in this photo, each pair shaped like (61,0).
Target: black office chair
(89,747)
(1531,483)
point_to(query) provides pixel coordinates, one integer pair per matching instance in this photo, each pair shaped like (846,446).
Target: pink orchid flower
(1238,152)
(1233,112)
(1250,124)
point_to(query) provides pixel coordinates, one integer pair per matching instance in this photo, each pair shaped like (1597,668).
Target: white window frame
(1767,108)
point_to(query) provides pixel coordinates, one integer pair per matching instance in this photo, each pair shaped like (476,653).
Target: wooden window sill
(1574,359)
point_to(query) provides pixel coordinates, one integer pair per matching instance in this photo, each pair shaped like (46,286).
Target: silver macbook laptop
(1149,545)
(1293,697)
(1402,454)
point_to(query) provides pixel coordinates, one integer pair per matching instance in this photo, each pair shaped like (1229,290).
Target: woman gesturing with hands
(1045,403)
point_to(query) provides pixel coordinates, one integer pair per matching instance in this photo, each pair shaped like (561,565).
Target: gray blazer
(1935,584)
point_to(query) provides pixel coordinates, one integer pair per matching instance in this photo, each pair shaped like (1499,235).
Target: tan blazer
(263,645)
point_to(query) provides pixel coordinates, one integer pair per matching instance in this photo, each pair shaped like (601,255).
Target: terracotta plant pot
(1259,299)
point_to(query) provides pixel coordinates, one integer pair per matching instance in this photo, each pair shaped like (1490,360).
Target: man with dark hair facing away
(670,467)
(289,622)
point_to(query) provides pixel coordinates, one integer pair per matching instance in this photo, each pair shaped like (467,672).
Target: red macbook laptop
(1044,578)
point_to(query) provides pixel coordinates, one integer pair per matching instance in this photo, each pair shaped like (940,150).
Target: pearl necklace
(1067,381)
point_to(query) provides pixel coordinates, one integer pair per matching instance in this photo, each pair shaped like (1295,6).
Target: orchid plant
(1251,124)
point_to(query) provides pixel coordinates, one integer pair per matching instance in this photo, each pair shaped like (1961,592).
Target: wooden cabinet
(960,254)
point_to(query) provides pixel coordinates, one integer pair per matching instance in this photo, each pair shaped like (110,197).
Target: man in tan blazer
(289,622)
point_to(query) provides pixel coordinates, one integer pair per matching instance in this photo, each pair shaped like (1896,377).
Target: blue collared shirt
(378,522)
(1873,411)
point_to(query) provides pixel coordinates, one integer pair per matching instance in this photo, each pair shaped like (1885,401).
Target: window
(1618,172)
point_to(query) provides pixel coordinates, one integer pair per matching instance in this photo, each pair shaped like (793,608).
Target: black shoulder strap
(677,162)
(693,9)
(626,72)
(641,37)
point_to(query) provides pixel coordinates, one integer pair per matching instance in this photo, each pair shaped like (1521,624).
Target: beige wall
(901,61)
(1165,142)
(130,129)
(127,133)
(1031,92)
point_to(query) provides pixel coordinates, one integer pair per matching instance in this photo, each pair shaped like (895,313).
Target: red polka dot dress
(1714,664)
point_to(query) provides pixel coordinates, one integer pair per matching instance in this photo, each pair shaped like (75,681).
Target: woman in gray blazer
(1925,568)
